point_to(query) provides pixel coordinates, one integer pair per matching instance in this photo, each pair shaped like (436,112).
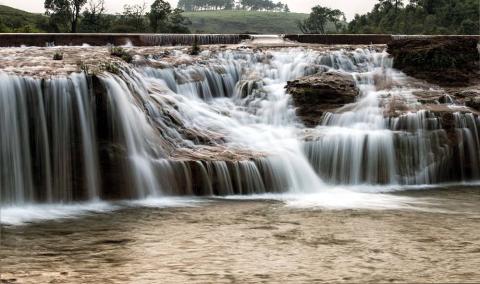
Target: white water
(224,126)
(41,132)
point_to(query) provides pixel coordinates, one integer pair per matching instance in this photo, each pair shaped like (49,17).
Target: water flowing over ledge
(93,39)
(79,39)
(223,124)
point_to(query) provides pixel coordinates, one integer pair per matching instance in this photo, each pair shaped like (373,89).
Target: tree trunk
(76,14)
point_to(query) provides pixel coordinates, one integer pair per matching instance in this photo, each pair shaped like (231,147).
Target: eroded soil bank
(421,237)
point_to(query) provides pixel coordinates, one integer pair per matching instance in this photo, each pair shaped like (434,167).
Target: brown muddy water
(421,236)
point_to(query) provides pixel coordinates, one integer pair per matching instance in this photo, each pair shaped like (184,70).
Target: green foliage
(121,53)
(82,67)
(451,54)
(419,17)
(58,56)
(110,67)
(13,20)
(165,20)
(215,5)
(132,19)
(94,19)
(159,13)
(29,28)
(4,28)
(319,19)
(238,22)
(64,12)
(177,23)
(387,16)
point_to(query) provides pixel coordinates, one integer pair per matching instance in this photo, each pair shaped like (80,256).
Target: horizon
(116,6)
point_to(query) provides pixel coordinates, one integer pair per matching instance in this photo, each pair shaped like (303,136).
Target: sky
(349,7)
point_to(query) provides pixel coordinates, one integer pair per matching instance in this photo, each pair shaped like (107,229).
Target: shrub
(58,56)
(121,53)
(83,67)
(111,68)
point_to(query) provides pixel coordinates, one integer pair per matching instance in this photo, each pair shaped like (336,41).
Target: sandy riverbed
(431,236)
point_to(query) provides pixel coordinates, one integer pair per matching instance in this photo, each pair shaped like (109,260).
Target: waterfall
(357,147)
(364,145)
(222,124)
(49,153)
(187,39)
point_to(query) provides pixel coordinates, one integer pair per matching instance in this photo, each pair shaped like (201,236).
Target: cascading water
(188,39)
(366,145)
(223,125)
(48,146)
(357,147)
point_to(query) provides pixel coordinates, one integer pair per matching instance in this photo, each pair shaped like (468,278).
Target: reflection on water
(261,239)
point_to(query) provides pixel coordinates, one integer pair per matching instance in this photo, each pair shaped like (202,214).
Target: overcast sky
(349,7)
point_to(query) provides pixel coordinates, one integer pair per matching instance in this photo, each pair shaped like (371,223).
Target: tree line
(387,16)
(90,16)
(400,17)
(250,5)
(419,17)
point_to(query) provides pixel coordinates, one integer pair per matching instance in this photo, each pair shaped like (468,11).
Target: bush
(58,56)
(82,67)
(121,53)
(111,68)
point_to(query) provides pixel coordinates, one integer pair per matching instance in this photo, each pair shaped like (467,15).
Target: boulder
(445,61)
(323,92)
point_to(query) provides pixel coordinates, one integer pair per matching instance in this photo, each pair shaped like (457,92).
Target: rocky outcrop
(445,61)
(473,103)
(323,92)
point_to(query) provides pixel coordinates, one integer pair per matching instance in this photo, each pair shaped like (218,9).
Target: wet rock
(473,103)
(439,60)
(323,92)
(469,96)
(116,180)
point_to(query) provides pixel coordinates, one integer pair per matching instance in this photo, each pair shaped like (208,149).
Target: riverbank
(423,236)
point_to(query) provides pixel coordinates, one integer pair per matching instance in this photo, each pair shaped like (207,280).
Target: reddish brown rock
(314,95)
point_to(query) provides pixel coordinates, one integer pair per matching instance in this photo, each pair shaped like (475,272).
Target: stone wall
(44,39)
(65,39)
(340,39)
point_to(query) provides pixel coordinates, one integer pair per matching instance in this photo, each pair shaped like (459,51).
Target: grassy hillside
(225,22)
(14,20)
(222,22)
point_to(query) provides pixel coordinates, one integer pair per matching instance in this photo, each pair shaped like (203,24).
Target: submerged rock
(323,92)
(440,60)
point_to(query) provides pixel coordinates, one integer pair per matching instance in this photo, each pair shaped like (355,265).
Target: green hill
(14,20)
(226,22)
(221,22)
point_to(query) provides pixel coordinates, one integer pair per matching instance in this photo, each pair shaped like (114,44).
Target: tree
(159,13)
(94,19)
(319,18)
(177,23)
(286,9)
(132,19)
(420,17)
(65,11)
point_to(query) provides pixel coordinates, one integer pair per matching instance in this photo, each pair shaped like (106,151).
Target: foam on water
(20,215)
(26,214)
(223,124)
(166,202)
(342,199)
